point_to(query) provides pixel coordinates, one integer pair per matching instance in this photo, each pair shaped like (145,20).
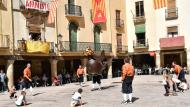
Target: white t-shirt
(19,100)
(76,96)
(2,76)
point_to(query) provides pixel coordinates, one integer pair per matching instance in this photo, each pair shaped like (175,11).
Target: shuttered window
(172,31)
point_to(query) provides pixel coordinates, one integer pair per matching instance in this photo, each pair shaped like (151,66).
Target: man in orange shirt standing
(127,78)
(27,77)
(178,71)
(80,74)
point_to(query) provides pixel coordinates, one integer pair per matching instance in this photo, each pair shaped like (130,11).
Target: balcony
(119,23)
(122,49)
(73,10)
(4,41)
(139,20)
(67,46)
(140,43)
(34,7)
(171,14)
(27,46)
(173,42)
(3,4)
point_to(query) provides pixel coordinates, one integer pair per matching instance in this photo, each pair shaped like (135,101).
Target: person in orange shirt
(27,77)
(80,74)
(178,71)
(127,78)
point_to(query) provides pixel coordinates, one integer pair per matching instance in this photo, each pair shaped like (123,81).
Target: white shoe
(31,89)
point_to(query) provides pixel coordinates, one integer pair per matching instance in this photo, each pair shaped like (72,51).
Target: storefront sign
(42,6)
(152,53)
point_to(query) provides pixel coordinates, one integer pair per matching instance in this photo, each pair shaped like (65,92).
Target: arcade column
(10,73)
(157,57)
(53,68)
(84,63)
(109,68)
(188,60)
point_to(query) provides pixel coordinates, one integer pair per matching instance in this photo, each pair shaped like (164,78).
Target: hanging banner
(37,47)
(42,6)
(98,11)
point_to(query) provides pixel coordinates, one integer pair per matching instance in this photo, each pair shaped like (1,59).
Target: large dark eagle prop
(96,64)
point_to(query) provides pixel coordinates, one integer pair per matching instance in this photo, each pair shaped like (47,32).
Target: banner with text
(42,6)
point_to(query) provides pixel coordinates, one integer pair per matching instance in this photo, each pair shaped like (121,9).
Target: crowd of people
(173,80)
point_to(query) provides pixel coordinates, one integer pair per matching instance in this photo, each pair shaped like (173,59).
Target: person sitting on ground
(183,85)
(76,98)
(168,84)
(21,101)
(56,81)
(12,92)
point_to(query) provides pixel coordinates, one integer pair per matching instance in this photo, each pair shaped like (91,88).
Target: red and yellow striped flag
(98,11)
(159,4)
(52,11)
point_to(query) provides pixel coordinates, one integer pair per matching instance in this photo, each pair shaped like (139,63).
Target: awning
(140,28)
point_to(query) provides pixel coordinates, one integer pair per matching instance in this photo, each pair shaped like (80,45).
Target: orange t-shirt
(80,71)
(27,72)
(127,70)
(177,69)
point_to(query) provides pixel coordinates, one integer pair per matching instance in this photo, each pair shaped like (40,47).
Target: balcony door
(73,36)
(97,31)
(71,2)
(119,42)
(71,6)
(139,8)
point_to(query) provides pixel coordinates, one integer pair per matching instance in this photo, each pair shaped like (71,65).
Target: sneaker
(123,102)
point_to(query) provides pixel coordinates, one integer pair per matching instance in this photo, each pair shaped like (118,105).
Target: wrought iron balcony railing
(73,10)
(122,48)
(140,43)
(22,46)
(4,41)
(82,46)
(139,20)
(171,14)
(119,23)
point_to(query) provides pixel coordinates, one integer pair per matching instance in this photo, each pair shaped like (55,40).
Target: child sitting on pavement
(76,98)
(21,101)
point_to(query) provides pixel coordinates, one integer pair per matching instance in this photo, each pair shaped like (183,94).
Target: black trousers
(81,78)
(96,79)
(27,83)
(127,85)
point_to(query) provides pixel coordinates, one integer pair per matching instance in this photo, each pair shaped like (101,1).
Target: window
(139,8)
(71,2)
(117,14)
(172,31)
(35,36)
(119,42)
(140,38)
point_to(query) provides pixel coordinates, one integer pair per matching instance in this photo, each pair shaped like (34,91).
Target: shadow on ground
(104,88)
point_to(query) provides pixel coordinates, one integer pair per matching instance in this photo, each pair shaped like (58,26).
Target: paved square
(148,92)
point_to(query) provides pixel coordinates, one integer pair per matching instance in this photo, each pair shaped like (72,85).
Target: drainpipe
(13,39)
